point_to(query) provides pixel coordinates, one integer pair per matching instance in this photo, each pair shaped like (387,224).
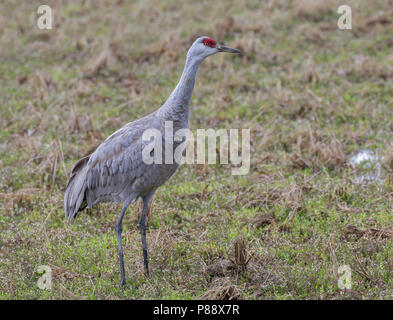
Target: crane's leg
(119,229)
(143,227)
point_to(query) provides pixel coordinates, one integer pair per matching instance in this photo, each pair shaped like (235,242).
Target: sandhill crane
(116,172)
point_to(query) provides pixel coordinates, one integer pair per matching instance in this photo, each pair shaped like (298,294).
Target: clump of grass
(222,289)
(315,151)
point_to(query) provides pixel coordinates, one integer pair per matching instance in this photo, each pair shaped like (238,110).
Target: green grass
(312,95)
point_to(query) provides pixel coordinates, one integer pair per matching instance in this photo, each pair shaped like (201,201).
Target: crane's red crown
(209,42)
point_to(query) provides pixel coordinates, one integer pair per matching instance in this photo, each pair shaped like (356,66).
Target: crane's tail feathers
(74,198)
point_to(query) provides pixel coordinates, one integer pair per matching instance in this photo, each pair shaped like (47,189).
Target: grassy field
(311,94)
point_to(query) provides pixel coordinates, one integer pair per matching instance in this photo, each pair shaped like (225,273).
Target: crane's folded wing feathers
(104,174)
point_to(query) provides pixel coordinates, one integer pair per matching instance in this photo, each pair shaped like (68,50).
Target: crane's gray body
(116,172)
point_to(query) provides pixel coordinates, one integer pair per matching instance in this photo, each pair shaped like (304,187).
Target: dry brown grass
(313,9)
(315,151)
(223,289)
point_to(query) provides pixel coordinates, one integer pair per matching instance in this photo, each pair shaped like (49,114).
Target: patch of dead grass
(316,151)
(356,233)
(223,289)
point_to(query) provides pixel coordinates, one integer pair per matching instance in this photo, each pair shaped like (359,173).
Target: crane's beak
(222,48)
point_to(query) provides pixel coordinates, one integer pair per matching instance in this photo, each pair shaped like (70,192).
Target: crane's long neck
(177,106)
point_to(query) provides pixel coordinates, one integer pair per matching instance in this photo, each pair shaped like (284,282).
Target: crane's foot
(122,283)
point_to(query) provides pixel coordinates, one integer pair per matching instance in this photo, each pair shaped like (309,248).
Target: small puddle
(366,165)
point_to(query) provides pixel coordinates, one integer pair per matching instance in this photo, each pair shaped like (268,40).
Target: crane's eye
(209,42)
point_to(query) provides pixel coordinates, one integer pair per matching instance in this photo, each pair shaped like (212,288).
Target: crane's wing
(114,165)
(108,171)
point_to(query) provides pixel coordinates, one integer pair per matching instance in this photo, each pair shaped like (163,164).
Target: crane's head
(205,46)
